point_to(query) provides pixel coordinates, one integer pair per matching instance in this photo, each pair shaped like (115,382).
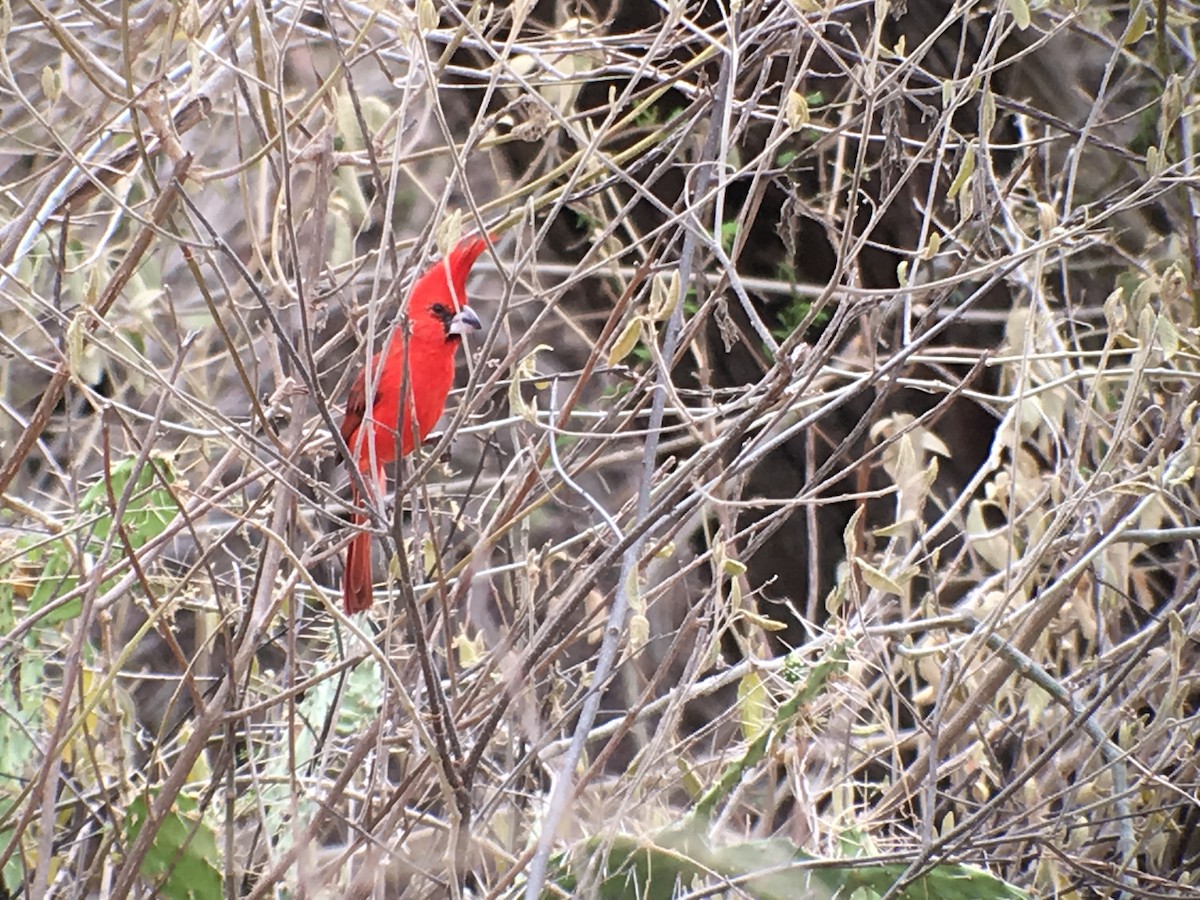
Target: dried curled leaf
(626,341)
(448,231)
(664,295)
(1020,12)
(965,170)
(525,370)
(797,110)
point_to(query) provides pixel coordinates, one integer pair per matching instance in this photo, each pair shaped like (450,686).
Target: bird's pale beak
(465,321)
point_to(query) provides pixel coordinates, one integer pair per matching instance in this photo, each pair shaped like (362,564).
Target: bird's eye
(439,310)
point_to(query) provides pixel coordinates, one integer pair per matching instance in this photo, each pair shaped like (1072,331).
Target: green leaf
(150,507)
(656,867)
(55,565)
(182,860)
(148,512)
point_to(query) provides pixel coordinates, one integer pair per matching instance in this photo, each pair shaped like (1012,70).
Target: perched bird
(418,359)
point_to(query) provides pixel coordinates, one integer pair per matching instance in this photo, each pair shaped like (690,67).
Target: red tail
(356,581)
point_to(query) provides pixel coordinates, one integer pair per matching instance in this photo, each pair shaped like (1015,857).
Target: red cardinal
(438,317)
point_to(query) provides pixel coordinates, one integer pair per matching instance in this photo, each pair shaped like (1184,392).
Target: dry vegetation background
(818,517)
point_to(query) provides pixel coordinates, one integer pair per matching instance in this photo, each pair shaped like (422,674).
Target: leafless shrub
(809,520)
